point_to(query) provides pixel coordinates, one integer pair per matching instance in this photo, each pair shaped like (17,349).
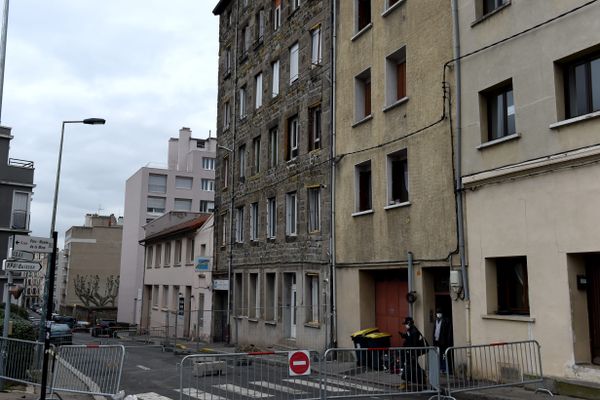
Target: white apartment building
(187,184)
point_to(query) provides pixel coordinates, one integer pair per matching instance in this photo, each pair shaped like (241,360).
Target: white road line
(315,385)
(340,382)
(151,396)
(243,391)
(279,388)
(198,394)
(142,367)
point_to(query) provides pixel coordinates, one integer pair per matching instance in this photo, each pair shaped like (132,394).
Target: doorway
(391,306)
(592,274)
(291,304)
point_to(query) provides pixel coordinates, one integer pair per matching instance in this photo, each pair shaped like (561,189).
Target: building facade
(395,218)
(187,184)
(530,172)
(272,224)
(178,270)
(16,187)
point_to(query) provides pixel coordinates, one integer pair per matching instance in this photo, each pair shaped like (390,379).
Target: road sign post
(49,296)
(17,265)
(299,362)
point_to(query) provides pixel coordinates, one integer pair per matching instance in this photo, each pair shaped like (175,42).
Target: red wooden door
(391,306)
(593,291)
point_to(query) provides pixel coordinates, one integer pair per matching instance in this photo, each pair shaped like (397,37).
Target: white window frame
(25,210)
(256,155)
(313,298)
(242,160)
(239,225)
(225,172)
(208,163)
(275,78)
(209,206)
(397,156)
(271,217)
(224,229)
(391,71)
(314,209)
(294,62)
(291,214)
(243,102)
(277,16)
(254,221)
(258,85)
(207,185)
(295,4)
(273,147)
(226,115)
(316,46)
(293,128)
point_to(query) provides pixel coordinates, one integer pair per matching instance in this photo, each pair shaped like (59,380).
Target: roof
(183,227)
(220,7)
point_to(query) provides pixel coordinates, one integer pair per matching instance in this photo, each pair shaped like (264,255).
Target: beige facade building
(395,220)
(530,133)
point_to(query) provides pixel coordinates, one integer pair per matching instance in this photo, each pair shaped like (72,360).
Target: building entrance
(592,273)
(391,306)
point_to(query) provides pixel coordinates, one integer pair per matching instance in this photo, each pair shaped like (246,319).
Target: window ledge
(396,103)
(397,205)
(503,139)
(491,13)
(189,264)
(166,266)
(514,318)
(255,320)
(362,121)
(392,8)
(575,120)
(155,308)
(359,213)
(314,325)
(271,323)
(361,32)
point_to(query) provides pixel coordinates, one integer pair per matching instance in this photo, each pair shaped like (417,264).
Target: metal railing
(16,162)
(21,361)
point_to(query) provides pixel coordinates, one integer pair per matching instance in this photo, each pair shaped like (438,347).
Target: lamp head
(94,121)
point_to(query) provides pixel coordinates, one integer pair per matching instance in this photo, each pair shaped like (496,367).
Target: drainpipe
(3,51)
(332,273)
(458,170)
(411,284)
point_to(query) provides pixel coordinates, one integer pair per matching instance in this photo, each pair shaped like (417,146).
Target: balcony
(15,162)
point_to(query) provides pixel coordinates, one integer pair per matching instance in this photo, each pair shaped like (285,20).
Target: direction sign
(32,244)
(21,255)
(299,362)
(21,266)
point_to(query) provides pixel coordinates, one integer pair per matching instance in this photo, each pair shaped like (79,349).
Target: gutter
(332,239)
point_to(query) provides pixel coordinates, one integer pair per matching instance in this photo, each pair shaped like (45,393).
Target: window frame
(152,186)
(254,222)
(291,214)
(396,83)
(258,90)
(154,209)
(569,71)
(256,155)
(400,156)
(275,78)
(362,21)
(361,169)
(271,218)
(179,179)
(293,138)
(239,224)
(316,46)
(242,161)
(491,104)
(17,211)
(505,292)
(294,53)
(273,147)
(207,185)
(314,209)
(363,107)
(276,14)
(315,127)
(182,201)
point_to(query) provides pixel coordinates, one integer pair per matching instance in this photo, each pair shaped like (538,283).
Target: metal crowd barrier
(493,365)
(21,361)
(88,369)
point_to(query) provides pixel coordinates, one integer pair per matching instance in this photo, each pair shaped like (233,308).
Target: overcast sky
(148,67)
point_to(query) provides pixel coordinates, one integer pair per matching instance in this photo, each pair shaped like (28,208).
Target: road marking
(279,388)
(243,391)
(151,396)
(340,382)
(315,385)
(144,368)
(198,394)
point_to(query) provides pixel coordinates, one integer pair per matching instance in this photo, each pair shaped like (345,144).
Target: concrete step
(581,389)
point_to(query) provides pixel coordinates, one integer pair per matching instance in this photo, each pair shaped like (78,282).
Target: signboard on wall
(202,264)
(221,284)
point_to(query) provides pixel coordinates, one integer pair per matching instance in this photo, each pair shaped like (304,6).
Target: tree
(87,288)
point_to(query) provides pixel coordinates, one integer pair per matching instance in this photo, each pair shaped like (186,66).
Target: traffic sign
(181,306)
(32,244)
(299,362)
(21,255)
(21,266)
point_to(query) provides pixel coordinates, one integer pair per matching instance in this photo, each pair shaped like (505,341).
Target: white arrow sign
(21,255)
(32,244)
(21,266)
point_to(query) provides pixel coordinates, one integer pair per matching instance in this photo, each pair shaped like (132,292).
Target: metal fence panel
(21,361)
(493,365)
(91,369)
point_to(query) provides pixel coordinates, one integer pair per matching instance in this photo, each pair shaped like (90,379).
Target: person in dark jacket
(442,335)
(413,339)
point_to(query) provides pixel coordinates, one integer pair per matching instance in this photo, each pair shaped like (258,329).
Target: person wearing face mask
(442,335)
(411,370)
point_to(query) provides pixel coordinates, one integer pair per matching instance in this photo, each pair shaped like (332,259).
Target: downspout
(411,284)
(458,170)
(332,248)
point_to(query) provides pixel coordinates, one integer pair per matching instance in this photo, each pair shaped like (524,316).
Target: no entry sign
(299,362)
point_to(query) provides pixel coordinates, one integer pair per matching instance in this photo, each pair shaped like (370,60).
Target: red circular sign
(299,363)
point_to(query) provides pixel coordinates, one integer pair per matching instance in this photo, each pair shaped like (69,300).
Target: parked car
(61,319)
(104,327)
(60,334)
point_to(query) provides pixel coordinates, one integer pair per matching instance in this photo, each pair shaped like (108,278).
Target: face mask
(407,326)
(438,315)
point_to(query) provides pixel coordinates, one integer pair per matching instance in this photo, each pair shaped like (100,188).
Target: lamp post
(49,281)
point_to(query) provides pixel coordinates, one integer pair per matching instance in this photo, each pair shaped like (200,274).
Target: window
(174,297)
(238,294)
(259,89)
(363,185)
(157,255)
(314,128)
(314,209)
(582,86)
(363,14)
(177,260)
(397,177)
(294,63)
(254,221)
(512,285)
(20,210)
(291,214)
(207,206)
(312,297)
(256,155)
(254,297)
(224,230)
(239,224)
(165,296)
(184,182)
(500,112)
(490,5)
(273,148)
(275,79)
(207,185)
(227,61)
(208,163)
(270,296)
(395,71)
(156,205)
(242,159)
(316,56)
(167,259)
(271,218)
(182,205)
(276,14)
(259,23)
(225,172)
(243,102)
(226,115)
(155,289)
(295,4)
(292,138)
(149,254)
(362,84)
(245,41)
(203,249)
(189,250)
(157,183)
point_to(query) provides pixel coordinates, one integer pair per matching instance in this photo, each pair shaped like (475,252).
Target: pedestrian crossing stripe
(279,388)
(353,385)
(198,394)
(243,391)
(315,385)
(151,396)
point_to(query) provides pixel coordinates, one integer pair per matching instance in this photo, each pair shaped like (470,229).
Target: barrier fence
(21,361)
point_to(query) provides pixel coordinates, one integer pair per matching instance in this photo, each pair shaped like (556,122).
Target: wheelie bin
(360,341)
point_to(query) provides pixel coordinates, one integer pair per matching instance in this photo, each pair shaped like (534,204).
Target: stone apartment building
(272,224)
(395,218)
(530,109)
(185,184)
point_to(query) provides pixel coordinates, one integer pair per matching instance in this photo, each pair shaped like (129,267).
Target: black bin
(381,341)
(360,341)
